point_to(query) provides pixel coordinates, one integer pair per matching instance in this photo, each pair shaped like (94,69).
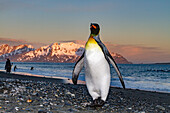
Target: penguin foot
(97,102)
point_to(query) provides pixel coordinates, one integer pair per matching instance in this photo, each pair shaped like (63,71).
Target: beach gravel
(20,95)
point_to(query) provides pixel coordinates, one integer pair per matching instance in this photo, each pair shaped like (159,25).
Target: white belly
(97,73)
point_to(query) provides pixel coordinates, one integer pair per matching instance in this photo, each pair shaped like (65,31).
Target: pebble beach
(28,94)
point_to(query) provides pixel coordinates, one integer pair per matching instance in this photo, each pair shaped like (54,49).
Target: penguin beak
(93,26)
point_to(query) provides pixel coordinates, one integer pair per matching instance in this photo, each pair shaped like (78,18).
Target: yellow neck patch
(91,43)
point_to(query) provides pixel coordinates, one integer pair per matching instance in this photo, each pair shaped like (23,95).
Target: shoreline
(22,75)
(60,79)
(20,93)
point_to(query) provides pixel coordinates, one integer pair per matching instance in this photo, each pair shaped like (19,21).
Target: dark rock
(42,111)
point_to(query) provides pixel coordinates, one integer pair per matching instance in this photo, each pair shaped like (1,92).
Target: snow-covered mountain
(56,52)
(13,52)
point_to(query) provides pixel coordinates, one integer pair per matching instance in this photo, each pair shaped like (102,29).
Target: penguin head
(95,29)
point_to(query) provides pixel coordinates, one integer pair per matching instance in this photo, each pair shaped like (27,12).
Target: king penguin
(96,60)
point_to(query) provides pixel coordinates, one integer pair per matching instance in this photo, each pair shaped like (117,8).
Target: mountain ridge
(16,42)
(56,52)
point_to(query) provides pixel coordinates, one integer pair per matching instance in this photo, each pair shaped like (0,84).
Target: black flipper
(117,70)
(77,69)
(111,60)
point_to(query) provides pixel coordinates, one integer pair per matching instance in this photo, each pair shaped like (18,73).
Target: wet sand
(23,94)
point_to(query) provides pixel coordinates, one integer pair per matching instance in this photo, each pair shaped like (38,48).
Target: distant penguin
(15,67)
(32,68)
(8,66)
(96,59)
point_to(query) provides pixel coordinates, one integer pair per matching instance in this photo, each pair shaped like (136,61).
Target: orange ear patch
(94,26)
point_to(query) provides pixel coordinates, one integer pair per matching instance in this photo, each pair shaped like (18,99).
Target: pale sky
(132,23)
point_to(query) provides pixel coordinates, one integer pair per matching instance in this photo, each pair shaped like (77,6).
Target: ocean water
(150,77)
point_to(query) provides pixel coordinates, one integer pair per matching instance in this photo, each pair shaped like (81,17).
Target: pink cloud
(140,54)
